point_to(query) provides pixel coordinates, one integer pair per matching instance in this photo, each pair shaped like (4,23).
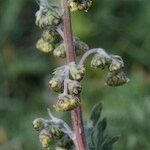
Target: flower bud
(73,6)
(44,46)
(99,61)
(116,63)
(77,72)
(56,83)
(116,79)
(74,87)
(80,5)
(66,103)
(49,36)
(57,133)
(59,51)
(38,124)
(85,5)
(46,138)
(47,18)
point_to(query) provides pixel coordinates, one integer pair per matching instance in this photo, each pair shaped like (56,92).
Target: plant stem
(76,115)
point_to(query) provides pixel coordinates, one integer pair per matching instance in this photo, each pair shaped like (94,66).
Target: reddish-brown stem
(76,115)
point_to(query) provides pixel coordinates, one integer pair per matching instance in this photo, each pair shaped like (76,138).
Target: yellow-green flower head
(80,5)
(46,138)
(57,133)
(56,83)
(66,103)
(49,35)
(116,63)
(116,79)
(38,124)
(99,61)
(73,6)
(44,46)
(77,72)
(47,18)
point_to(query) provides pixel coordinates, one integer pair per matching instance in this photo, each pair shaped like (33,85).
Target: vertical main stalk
(76,115)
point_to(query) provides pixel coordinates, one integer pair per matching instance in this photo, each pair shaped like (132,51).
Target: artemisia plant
(57,39)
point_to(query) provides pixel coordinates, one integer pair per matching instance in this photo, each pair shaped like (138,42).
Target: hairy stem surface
(76,115)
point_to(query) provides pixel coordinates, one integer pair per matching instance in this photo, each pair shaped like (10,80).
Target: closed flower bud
(47,18)
(38,124)
(80,5)
(44,46)
(73,6)
(77,72)
(59,51)
(57,133)
(85,5)
(99,61)
(116,63)
(66,103)
(56,83)
(49,36)
(116,79)
(46,138)
(74,87)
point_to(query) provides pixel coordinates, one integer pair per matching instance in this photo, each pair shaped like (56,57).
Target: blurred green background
(121,27)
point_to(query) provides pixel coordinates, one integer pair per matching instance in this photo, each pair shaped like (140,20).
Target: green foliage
(98,139)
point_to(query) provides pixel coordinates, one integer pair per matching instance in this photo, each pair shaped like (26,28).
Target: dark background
(121,27)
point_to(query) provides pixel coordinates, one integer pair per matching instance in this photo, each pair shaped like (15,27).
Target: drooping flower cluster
(115,65)
(52,130)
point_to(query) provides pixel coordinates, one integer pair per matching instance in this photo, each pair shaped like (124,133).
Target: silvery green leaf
(96,113)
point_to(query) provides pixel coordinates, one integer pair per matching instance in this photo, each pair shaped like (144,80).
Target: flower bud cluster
(66,80)
(50,38)
(115,65)
(82,5)
(53,130)
(47,134)
(49,19)
(80,48)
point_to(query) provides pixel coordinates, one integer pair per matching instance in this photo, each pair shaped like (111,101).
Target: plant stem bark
(76,115)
